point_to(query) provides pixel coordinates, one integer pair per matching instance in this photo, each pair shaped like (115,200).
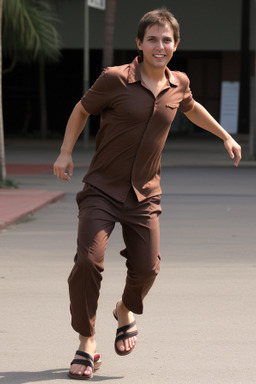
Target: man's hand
(233,149)
(63,167)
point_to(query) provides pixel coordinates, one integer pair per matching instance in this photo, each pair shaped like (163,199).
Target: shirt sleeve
(98,97)
(188,101)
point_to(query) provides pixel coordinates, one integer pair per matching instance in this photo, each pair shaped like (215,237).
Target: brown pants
(98,214)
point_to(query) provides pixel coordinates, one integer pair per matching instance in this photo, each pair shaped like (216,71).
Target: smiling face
(158,46)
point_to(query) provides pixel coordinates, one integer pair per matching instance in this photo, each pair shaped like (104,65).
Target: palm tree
(28,35)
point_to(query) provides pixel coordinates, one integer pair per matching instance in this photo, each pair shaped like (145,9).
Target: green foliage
(9,184)
(28,31)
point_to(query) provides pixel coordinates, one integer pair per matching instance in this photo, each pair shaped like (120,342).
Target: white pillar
(252,136)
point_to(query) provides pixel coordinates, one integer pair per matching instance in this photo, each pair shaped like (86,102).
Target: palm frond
(29,31)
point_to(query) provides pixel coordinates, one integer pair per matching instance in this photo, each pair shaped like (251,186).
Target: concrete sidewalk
(17,204)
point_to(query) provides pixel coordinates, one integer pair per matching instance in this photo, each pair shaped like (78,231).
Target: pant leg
(95,226)
(142,239)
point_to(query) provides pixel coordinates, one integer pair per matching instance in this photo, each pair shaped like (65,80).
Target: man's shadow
(52,374)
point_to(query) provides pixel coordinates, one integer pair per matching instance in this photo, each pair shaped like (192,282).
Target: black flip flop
(125,335)
(94,363)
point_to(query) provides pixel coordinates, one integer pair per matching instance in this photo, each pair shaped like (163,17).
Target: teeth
(159,55)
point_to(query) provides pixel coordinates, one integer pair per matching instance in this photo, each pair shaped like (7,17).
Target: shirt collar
(135,76)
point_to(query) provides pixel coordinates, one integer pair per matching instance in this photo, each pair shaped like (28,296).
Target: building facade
(209,52)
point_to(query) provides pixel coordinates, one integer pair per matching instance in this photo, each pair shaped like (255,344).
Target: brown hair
(160,16)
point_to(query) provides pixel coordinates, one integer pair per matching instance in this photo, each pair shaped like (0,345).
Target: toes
(88,371)
(80,370)
(77,369)
(130,343)
(121,346)
(127,344)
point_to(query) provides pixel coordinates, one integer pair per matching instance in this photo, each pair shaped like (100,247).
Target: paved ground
(17,204)
(36,158)
(199,321)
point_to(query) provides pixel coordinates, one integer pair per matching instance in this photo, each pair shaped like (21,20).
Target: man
(137,103)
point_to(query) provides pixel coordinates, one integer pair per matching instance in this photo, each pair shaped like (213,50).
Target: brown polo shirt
(133,129)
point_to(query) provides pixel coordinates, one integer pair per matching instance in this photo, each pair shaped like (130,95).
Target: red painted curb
(16,204)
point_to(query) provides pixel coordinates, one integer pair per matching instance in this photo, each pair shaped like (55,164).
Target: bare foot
(125,317)
(88,345)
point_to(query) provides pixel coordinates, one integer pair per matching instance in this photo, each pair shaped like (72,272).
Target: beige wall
(206,25)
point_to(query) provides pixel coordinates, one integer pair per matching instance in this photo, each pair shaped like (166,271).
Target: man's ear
(138,42)
(176,45)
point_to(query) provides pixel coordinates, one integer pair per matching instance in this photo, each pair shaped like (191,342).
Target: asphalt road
(199,320)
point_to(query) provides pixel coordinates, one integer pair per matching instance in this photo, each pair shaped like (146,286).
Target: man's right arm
(63,166)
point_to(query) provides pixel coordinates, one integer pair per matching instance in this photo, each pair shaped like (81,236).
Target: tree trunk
(42,99)
(252,136)
(109,33)
(2,152)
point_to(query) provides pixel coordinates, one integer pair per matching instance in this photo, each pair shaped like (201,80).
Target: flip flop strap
(85,355)
(125,336)
(89,362)
(126,327)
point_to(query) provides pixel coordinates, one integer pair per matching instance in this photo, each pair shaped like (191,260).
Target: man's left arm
(203,119)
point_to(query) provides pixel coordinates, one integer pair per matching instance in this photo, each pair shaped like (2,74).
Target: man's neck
(153,74)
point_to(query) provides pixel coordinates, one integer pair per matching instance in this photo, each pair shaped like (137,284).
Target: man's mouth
(158,56)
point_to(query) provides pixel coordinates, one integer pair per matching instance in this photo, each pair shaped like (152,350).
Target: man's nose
(160,44)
